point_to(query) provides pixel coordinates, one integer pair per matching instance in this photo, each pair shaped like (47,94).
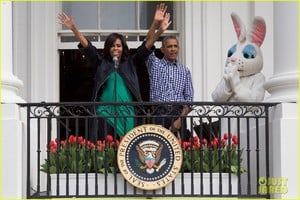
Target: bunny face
(246,57)
(246,54)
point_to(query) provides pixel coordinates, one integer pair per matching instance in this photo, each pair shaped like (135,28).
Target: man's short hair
(168,38)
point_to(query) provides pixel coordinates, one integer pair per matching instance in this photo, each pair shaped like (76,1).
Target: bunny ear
(258,31)
(239,27)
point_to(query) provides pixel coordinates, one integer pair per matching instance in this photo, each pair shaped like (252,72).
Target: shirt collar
(169,63)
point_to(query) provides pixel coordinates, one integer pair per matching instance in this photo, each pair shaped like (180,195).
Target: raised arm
(69,23)
(161,22)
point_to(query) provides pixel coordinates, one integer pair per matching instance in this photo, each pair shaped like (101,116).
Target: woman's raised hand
(66,20)
(69,22)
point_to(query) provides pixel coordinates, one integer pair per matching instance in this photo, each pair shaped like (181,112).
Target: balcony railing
(231,152)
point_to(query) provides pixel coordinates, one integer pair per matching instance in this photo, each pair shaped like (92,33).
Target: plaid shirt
(169,81)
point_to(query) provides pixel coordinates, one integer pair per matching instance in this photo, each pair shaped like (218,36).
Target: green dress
(122,122)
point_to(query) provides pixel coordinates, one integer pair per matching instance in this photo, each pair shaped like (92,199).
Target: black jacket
(126,69)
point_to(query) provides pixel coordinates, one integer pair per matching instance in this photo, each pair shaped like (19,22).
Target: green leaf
(52,169)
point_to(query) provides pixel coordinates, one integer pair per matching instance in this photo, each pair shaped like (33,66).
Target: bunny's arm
(221,92)
(250,89)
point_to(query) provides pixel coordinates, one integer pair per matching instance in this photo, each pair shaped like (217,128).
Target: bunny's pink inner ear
(258,32)
(238,27)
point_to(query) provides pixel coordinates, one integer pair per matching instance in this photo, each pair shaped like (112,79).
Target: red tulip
(72,139)
(235,139)
(225,136)
(109,138)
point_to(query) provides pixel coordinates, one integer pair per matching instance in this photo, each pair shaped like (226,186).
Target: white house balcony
(226,150)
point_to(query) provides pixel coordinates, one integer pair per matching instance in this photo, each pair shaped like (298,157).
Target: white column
(10,83)
(13,137)
(283,86)
(13,146)
(284,149)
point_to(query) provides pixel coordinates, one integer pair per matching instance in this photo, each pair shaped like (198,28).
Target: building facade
(32,40)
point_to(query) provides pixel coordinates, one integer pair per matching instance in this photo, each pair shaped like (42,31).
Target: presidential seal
(149,157)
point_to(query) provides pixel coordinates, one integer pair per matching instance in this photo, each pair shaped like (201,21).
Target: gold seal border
(129,137)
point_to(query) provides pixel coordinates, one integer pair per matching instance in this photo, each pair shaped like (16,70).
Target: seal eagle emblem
(149,153)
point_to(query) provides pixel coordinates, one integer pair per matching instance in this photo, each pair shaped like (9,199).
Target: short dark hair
(169,37)
(109,43)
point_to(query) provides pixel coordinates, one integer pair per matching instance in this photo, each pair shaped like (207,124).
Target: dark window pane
(85,14)
(118,15)
(147,10)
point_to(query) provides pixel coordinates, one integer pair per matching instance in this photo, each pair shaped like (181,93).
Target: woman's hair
(109,43)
